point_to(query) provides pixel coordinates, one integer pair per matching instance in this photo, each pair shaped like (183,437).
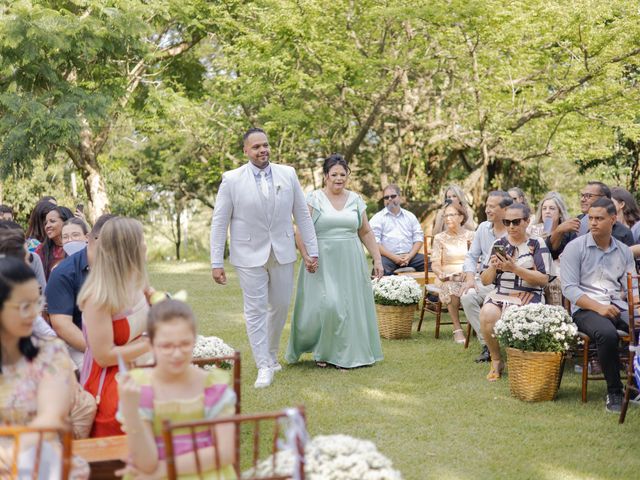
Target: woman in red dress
(114,316)
(50,250)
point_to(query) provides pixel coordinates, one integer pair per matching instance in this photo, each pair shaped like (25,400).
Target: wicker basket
(534,376)
(395,322)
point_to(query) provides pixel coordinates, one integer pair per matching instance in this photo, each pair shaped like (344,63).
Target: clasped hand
(504,262)
(311,264)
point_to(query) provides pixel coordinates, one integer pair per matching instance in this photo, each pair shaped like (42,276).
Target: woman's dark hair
(77,221)
(459,208)
(166,311)
(12,243)
(526,211)
(15,272)
(48,244)
(333,160)
(630,210)
(37,218)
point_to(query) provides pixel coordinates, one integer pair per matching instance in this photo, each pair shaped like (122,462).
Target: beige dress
(447,258)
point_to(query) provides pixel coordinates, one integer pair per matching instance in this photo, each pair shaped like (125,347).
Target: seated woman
(179,391)
(554,224)
(36,376)
(453,193)
(519,267)
(627,211)
(447,257)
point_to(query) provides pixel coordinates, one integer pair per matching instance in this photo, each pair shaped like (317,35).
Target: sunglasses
(389,197)
(515,222)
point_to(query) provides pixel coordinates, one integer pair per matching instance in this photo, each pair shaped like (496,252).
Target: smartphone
(80,207)
(498,249)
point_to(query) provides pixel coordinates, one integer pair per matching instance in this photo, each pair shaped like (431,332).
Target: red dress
(101,382)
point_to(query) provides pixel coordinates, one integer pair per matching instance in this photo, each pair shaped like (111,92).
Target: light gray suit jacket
(239,207)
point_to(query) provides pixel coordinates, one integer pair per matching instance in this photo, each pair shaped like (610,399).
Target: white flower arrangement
(207,347)
(396,290)
(537,327)
(333,457)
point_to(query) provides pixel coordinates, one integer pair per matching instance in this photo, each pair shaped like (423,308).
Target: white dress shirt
(396,233)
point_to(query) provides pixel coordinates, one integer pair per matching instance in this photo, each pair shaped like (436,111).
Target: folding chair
(17,433)
(256,421)
(632,373)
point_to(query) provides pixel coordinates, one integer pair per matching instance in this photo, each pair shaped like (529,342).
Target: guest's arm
(369,240)
(99,328)
(68,331)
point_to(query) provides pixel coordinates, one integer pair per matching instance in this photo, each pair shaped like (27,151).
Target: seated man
(594,275)
(398,234)
(474,292)
(590,193)
(62,290)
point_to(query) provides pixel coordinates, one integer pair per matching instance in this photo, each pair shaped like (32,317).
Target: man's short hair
(102,219)
(6,209)
(604,189)
(605,203)
(505,199)
(250,132)
(11,225)
(393,187)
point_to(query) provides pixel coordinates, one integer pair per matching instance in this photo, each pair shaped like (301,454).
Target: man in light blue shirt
(398,234)
(594,279)
(480,250)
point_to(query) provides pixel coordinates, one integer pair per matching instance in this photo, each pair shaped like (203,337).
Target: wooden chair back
(17,433)
(258,432)
(633,303)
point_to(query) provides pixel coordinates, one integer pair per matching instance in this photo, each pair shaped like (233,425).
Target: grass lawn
(427,406)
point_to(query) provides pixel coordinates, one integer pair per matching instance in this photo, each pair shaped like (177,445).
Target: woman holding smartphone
(519,267)
(450,248)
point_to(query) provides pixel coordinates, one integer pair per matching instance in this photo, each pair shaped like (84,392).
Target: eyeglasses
(169,348)
(515,222)
(26,309)
(390,197)
(73,236)
(589,196)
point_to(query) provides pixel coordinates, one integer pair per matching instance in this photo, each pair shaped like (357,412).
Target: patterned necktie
(264,188)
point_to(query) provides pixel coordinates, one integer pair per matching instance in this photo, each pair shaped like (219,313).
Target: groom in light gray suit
(256,202)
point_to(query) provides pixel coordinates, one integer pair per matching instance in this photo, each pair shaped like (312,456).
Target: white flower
(208,347)
(333,457)
(396,290)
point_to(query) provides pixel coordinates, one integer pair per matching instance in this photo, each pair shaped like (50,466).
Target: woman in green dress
(334,315)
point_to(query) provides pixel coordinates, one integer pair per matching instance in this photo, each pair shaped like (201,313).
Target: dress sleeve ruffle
(219,397)
(313,200)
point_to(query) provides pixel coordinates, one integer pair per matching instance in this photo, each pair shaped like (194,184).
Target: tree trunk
(178,238)
(85,159)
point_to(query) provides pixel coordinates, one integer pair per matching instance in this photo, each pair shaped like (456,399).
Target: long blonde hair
(120,267)
(563,213)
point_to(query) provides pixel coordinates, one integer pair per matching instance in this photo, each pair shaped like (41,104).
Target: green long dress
(334,315)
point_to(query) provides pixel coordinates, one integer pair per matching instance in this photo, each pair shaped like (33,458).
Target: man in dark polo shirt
(62,290)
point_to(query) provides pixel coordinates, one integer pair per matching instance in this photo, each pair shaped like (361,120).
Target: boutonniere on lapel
(278,186)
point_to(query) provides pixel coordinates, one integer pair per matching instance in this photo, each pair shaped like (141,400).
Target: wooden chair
(255,421)
(16,432)
(433,306)
(588,353)
(633,293)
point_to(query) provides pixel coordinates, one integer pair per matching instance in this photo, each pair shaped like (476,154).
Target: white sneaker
(276,367)
(265,377)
